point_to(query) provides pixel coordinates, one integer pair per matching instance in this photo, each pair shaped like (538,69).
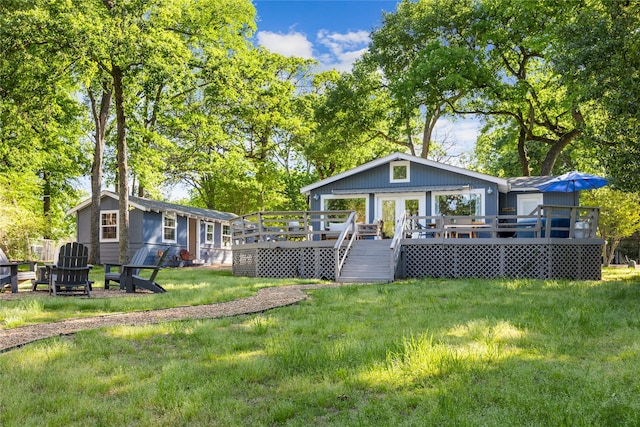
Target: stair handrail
(349,228)
(395,244)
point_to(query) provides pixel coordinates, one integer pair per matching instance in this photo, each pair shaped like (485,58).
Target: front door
(390,209)
(192,244)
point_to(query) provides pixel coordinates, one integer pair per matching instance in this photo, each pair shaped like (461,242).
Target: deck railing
(395,244)
(545,222)
(288,225)
(349,230)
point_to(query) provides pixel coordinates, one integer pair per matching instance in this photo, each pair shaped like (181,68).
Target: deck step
(368,261)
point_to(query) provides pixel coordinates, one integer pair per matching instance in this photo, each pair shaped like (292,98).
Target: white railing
(395,246)
(349,229)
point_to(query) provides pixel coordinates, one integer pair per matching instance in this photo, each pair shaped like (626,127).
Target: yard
(421,352)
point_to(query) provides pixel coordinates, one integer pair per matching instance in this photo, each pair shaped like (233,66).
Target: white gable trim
(500,182)
(103,193)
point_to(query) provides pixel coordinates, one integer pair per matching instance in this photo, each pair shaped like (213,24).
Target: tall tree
(232,137)
(598,55)
(349,116)
(488,58)
(40,118)
(423,52)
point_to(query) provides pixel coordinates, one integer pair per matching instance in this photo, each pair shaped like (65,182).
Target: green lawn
(414,353)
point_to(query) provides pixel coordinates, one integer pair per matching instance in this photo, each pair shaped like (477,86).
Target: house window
(347,203)
(169,227)
(399,171)
(208,233)
(458,203)
(109,226)
(226,236)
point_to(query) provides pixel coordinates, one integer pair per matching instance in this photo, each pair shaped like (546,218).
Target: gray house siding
(83,222)
(509,201)
(146,230)
(213,253)
(420,176)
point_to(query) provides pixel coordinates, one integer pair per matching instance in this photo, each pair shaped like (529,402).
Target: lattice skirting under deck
(302,262)
(535,261)
(555,260)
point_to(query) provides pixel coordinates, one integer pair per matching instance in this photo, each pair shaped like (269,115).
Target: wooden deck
(554,242)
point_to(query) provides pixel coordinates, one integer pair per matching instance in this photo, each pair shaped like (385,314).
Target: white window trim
(349,196)
(226,237)
(206,233)
(175,227)
(479,191)
(117,225)
(393,165)
(524,199)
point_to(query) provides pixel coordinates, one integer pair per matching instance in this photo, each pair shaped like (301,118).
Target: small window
(169,227)
(208,235)
(399,171)
(226,236)
(109,226)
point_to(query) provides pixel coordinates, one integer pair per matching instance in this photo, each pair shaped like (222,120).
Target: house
(386,187)
(204,233)
(437,221)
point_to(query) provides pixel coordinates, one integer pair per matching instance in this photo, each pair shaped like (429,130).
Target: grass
(413,353)
(185,286)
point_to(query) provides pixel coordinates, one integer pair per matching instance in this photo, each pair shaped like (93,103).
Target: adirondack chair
(139,258)
(8,275)
(130,277)
(9,272)
(71,273)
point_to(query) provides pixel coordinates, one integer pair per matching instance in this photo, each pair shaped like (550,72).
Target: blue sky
(336,33)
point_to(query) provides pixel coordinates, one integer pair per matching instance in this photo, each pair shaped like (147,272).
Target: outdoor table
(453,230)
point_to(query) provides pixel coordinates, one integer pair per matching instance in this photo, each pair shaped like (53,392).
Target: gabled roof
(149,205)
(500,182)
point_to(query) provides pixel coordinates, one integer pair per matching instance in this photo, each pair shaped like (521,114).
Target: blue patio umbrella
(572,182)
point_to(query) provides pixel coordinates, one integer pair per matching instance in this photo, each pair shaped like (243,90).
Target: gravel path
(265,299)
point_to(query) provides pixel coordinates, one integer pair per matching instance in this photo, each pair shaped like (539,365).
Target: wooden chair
(139,259)
(11,270)
(370,230)
(130,279)
(71,273)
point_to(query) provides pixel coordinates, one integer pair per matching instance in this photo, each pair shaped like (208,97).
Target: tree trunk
(522,152)
(100,119)
(123,185)
(46,204)
(611,250)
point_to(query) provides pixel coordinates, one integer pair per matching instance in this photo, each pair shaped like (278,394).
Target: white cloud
(332,50)
(462,132)
(291,44)
(343,49)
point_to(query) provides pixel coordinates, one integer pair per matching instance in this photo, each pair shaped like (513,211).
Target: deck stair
(368,261)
